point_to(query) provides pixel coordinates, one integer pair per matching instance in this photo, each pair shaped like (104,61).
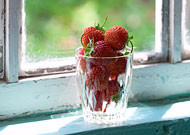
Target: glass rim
(90,57)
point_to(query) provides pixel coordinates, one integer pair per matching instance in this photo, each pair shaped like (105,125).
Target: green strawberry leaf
(89,45)
(126,53)
(98,27)
(131,37)
(117,95)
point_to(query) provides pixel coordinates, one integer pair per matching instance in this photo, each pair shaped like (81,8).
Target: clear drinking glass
(104,85)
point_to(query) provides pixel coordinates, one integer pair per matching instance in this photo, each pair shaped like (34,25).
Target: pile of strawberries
(102,66)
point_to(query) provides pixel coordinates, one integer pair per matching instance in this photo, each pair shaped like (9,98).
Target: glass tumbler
(104,85)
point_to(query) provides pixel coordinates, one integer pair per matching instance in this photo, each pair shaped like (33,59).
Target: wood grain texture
(164,29)
(13,38)
(38,96)
(2,23)
(175,127)
(171,119)
(163,119)
(54,93)
(186,29)
(160,81)
(175,55)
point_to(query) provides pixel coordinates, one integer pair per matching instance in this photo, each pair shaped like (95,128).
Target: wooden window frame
(2,21)
(53,93)
(185,25)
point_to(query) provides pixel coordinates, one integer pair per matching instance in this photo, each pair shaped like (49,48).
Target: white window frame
(185,29)
(2,15)
(54,93)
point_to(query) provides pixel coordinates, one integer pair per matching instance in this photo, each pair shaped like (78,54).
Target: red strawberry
(117,37)
(94,99)
(112,92)
(98,101)
(81,60)
(81,52)
(92,33)
(103,49)
(97,78)
(85,63)
(118,67)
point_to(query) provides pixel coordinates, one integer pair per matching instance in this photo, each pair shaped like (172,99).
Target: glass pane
(186,29)
(54,27)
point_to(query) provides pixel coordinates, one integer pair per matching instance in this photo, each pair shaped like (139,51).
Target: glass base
(104,117)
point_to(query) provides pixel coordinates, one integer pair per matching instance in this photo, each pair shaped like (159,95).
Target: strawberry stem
(92,43)
(82,43)
(131,45)
(98,27)
(90,47)
(104,22)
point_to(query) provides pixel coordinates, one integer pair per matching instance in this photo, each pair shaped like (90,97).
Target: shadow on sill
(169,116)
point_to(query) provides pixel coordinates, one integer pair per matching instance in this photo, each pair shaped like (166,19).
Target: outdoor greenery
(54,27)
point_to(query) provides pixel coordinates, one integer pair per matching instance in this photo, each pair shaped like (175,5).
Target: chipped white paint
(186,28)
(49,94)
(162,28)
(175,31)
(39,95)
(160,81)
(73,123)
(13,38)
(2,17)
(54,93)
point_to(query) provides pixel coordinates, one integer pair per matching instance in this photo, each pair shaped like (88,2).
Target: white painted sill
(60,92)
(70,123)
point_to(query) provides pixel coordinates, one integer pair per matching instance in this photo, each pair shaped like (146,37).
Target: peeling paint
(2,14)
(20,30)
(25,113)
(37,96)
(35,81)
(164,79)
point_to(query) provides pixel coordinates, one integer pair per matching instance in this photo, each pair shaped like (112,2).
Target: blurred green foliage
(54,27)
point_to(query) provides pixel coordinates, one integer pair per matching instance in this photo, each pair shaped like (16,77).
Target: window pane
(54,27)
(186,29)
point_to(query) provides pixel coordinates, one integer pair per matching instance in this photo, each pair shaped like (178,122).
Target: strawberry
(103,49)
(81,52)
(118,67)
(112,92)
(85,63)
(98,101)
(92,33)
(81,60)
(117,37)
(94,99)
(97,78)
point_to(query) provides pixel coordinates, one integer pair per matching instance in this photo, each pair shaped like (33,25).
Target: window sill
(59,92)
(145,119)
